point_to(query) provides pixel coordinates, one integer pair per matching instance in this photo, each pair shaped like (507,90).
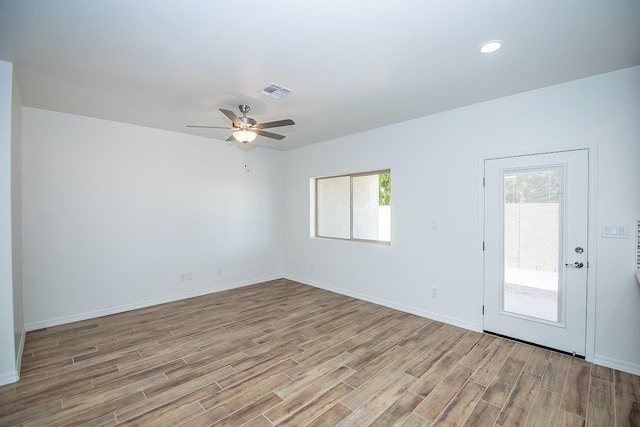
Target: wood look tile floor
(282,353)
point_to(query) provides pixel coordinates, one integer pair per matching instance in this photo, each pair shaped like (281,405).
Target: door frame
(592,231)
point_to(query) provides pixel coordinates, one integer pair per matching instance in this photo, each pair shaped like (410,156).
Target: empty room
(412,213)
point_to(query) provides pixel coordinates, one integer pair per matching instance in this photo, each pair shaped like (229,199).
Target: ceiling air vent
(276,91)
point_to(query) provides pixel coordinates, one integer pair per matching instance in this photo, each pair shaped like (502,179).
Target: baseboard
(390,304)
(621,365)
(8,378)
(143,304)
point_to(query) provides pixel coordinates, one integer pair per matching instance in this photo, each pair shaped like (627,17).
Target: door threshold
(568,353)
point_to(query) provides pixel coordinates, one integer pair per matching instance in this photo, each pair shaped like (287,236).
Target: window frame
(351,238)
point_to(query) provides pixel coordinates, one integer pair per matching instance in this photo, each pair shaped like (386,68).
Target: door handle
(577,264)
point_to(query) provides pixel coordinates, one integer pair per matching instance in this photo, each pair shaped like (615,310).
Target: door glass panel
(532,243)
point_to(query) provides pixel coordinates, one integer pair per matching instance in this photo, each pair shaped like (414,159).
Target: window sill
(371,242)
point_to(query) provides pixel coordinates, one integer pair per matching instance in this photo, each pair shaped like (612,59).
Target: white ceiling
(354,65)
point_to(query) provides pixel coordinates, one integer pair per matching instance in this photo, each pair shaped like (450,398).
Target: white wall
(113,213)
(435,177)
(16,221)
(9,229)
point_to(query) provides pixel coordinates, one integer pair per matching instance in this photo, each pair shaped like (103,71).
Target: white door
(535,265)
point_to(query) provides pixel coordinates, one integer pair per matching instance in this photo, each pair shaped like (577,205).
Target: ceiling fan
(247,129)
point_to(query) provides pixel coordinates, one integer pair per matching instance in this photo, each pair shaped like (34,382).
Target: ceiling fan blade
(232,116)
(269,134)
(207,127)
(286,122)
(231,138)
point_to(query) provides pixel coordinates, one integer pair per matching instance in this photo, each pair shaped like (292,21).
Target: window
(354,207)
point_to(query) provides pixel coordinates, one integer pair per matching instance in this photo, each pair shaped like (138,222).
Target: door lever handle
(577,264)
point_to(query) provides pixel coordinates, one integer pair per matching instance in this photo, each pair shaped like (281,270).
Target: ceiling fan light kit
(245,136)
(245,129)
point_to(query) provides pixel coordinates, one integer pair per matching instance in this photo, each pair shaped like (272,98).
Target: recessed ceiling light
(490,46)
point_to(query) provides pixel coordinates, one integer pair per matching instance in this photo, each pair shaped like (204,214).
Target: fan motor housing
(248,121)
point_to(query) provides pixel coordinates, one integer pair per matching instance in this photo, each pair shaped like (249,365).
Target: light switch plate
(614,231)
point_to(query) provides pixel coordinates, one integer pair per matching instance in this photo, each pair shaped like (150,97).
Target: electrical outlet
(185,276)
(219,272)
(434,292)
(311,266)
